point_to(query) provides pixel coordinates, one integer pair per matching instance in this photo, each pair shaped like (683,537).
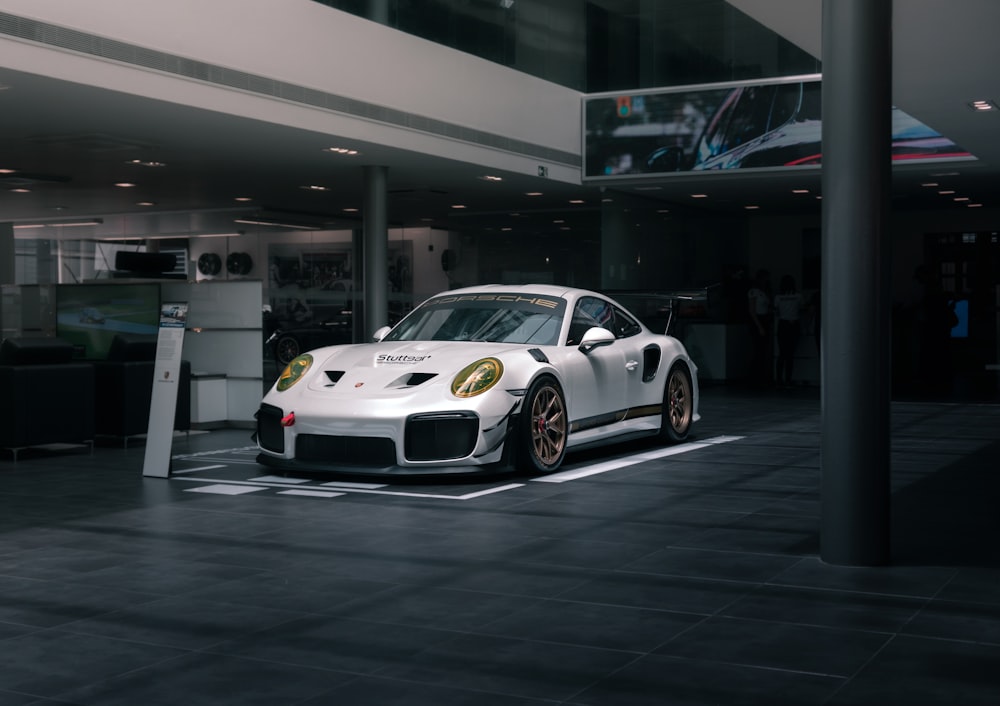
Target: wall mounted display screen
(745,126)
(89,315)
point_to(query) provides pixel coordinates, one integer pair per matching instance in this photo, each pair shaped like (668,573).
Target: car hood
(393,363)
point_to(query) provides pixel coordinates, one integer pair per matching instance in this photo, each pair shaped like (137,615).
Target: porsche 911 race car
(479,380)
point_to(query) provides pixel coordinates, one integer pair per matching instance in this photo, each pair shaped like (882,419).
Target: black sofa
(48,398)
(125,388)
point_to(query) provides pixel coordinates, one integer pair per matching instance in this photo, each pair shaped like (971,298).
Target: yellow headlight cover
(295,370)
(477,378)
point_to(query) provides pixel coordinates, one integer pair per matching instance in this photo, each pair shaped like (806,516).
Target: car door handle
(631,365)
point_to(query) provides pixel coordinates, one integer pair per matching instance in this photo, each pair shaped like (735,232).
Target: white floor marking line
(597,468)
(200,468)
(348,484)
(433,496)
(310,493)
(224,489)
(278,479)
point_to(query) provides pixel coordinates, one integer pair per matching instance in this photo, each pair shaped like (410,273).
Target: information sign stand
(166,377)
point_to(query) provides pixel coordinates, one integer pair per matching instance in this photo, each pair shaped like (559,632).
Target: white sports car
(479,380)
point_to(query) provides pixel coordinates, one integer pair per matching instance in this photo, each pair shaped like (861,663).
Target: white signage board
(166,377)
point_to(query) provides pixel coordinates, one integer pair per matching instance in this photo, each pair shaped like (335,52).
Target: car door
(596,380)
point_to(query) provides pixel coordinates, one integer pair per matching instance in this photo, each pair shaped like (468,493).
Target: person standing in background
(787,307)
(759,304)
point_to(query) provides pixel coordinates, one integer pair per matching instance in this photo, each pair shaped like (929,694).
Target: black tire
(287,349)
(678,405)
(542,427)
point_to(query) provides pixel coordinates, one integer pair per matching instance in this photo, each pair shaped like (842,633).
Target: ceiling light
(8,171)
(506,228)
(66,224)
(751,208)
(559,220)
(533,193)
(663,210)
(800,191)
(262,221)
(341,150)
(982,106)
(577,201)
(946,192)
(961,198)
(146,163)
(930,183)
(351,210)
(974,205)
(315,187)
(124,184)
(699,196)
(21,190)
(457,205)
(242,198)
(145,203)
(490,177)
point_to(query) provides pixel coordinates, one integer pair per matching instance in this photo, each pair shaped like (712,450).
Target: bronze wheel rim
(679,402)
(548,425)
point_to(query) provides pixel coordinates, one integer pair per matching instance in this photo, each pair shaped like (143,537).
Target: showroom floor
(634,577)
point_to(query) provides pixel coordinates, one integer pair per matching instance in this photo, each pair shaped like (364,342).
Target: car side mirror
(595,338)
(380,333)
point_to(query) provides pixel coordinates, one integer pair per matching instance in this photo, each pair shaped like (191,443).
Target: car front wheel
(678,406)
(542,428)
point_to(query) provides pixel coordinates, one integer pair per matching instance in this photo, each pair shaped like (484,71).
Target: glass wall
(600,45)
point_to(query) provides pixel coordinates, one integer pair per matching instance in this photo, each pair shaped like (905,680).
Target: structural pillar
(376,249)
(6,253)
(855,348)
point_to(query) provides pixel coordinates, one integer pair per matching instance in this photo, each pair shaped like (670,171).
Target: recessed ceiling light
(351,210)
(146,163)
(242,198)
(751,208)
(8,171)
(663,210)
(974,205)
(315,187)
(961,198)
(145,203)
(946,192)
(341,150)
(490,177)
(930,183)
(457,205)
(506,228)
(982,106)
(559,220)
(800,191)
(577,201)
(427,220)
(21,190)
(533,193)
(124,184)
(699,196)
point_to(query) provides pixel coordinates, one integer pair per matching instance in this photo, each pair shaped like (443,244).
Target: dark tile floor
(682,579)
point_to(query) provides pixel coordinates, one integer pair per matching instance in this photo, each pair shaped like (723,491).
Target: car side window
(591,311)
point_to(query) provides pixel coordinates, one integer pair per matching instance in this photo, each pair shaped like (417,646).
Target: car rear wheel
(678,406)
(542,428)
(287,349)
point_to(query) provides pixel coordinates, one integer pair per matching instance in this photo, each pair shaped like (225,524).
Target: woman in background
(787,308)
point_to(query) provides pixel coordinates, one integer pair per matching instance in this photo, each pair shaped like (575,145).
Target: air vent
(334,376)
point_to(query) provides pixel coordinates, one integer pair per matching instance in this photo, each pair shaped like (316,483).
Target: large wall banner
(775,124)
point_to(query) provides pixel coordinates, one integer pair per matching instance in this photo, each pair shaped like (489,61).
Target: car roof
(551,290)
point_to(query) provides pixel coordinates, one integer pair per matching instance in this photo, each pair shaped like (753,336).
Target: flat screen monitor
(89,315)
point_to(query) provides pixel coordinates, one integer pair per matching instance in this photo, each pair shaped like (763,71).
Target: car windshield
(507,318)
